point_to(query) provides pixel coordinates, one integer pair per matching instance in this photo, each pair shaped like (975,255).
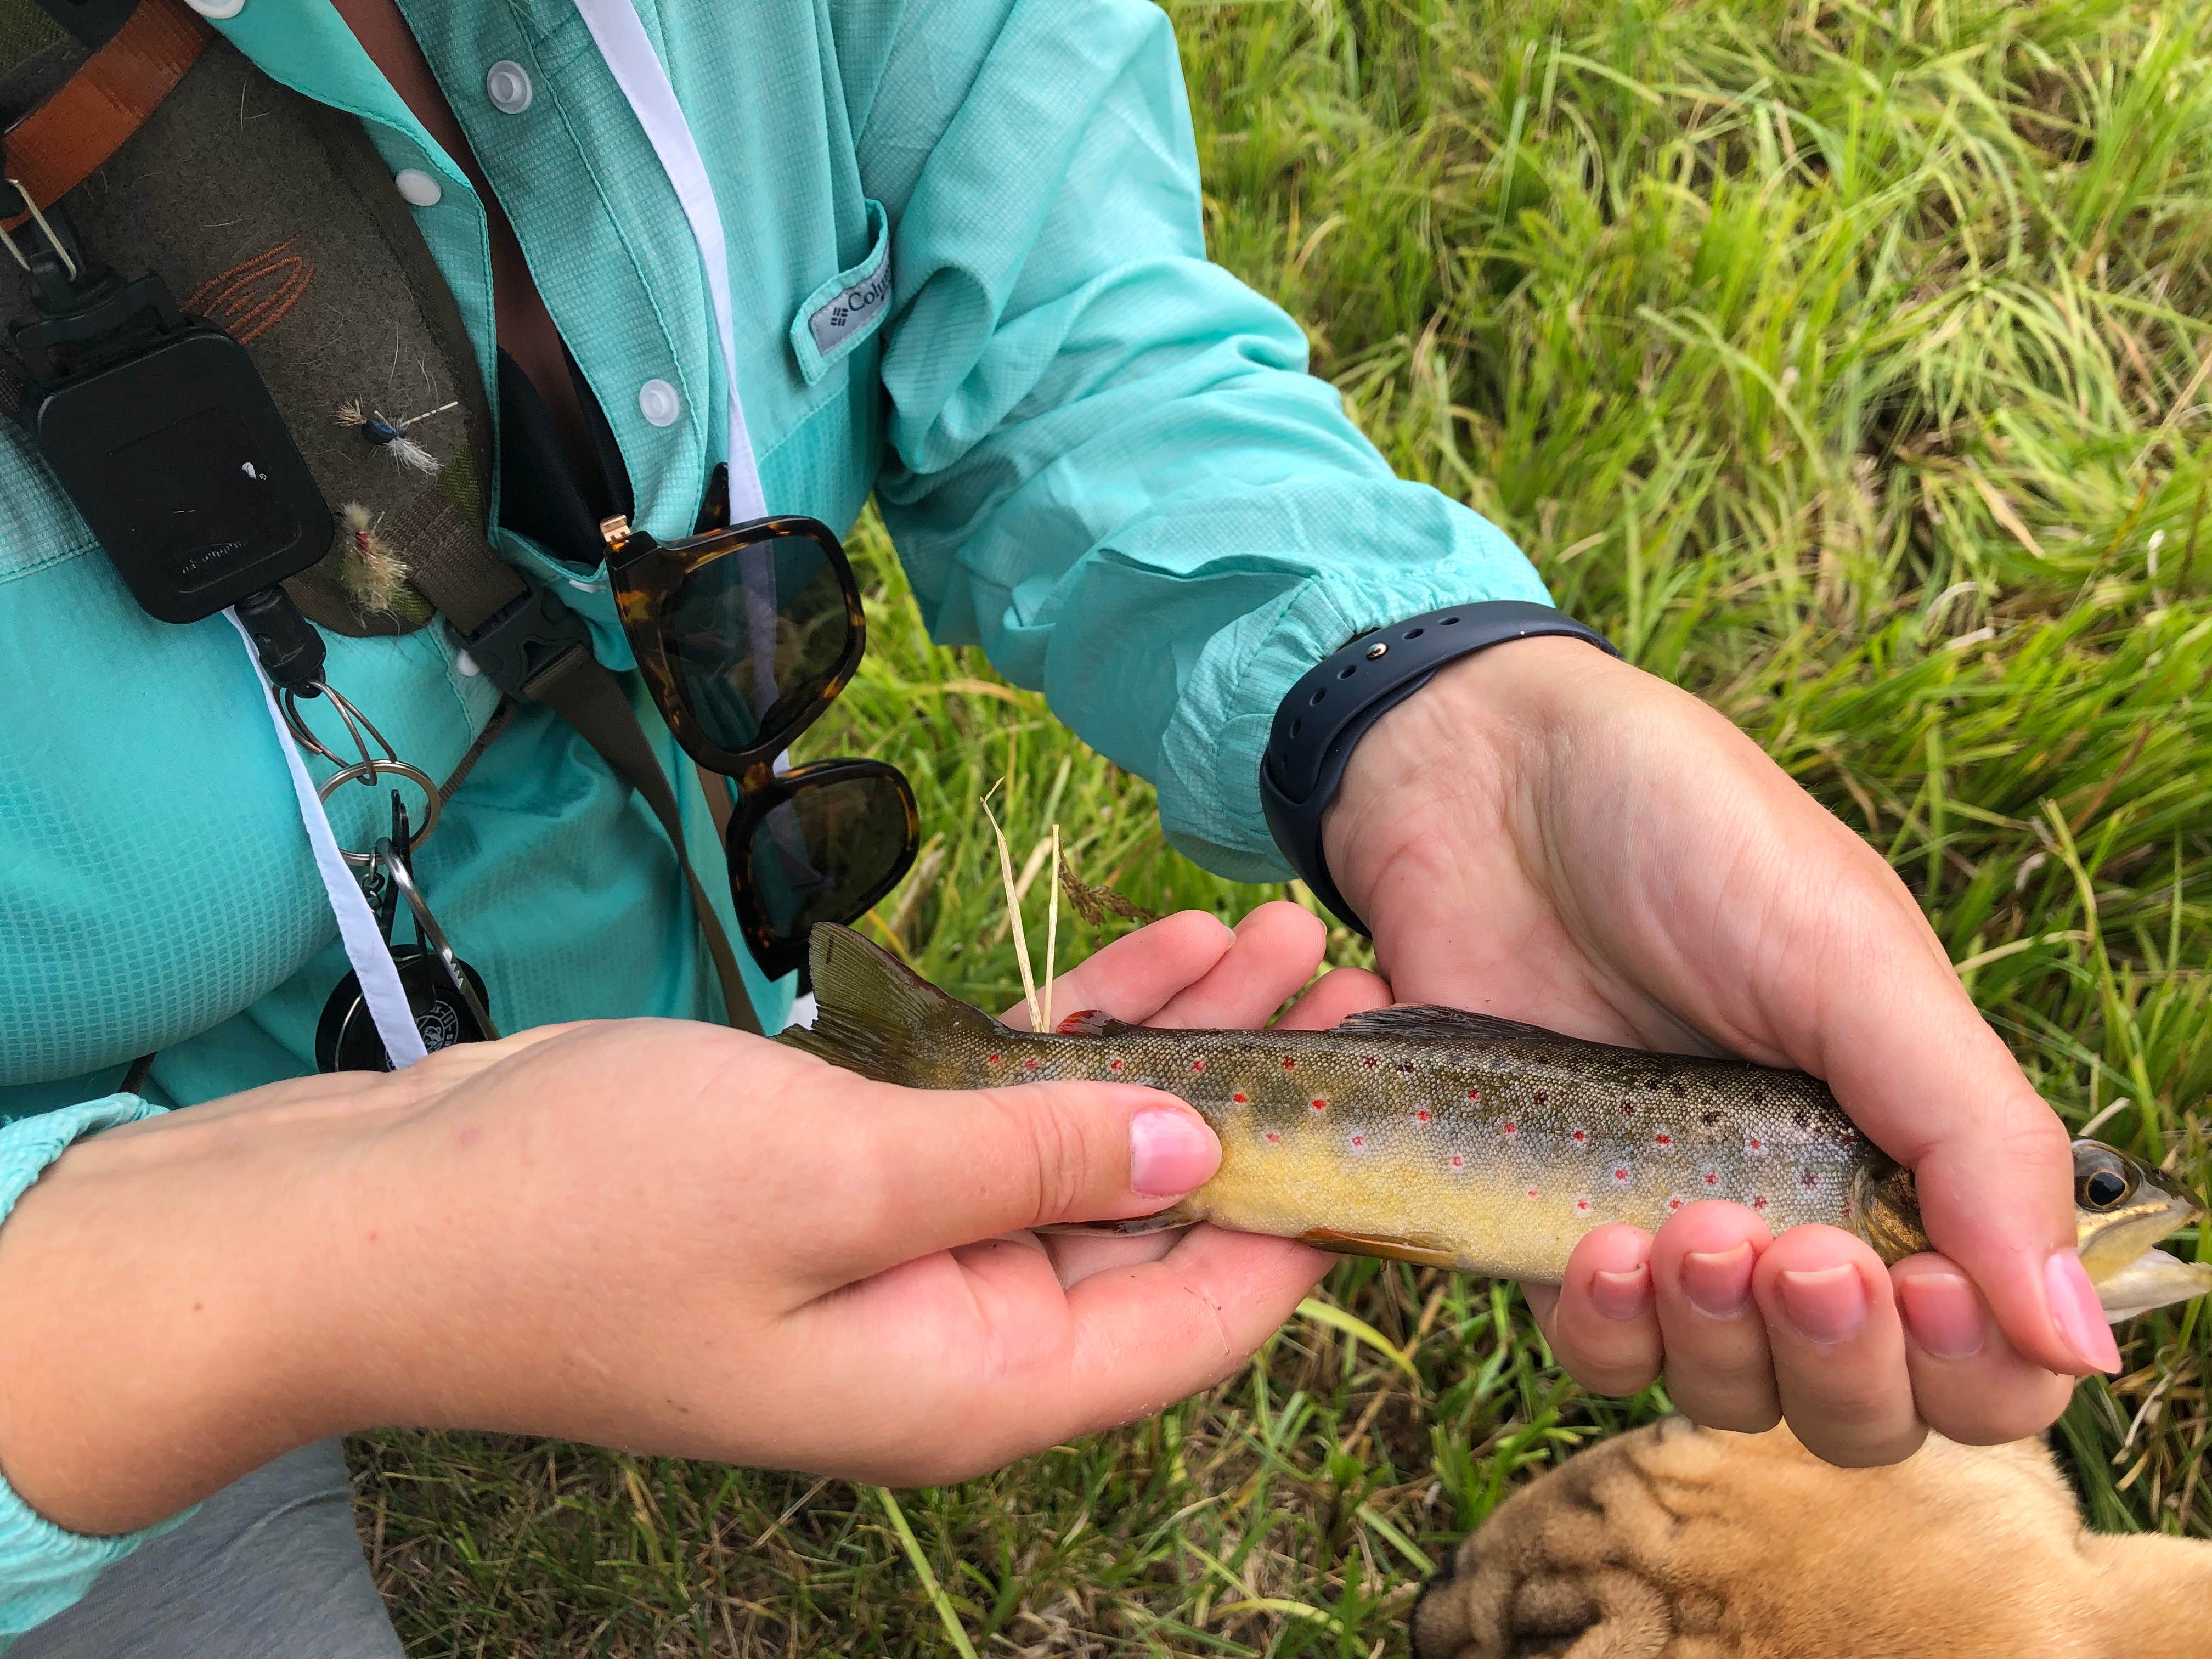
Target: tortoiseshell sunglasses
(744,636)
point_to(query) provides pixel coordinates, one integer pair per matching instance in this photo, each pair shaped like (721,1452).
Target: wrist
(171,1311)
(1332,711)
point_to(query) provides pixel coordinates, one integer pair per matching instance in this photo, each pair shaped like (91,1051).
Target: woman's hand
(664,1236)
(1547,834)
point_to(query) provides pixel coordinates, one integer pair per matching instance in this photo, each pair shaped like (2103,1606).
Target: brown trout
(1465,1141)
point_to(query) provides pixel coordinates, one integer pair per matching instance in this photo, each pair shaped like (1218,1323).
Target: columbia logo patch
(845,314)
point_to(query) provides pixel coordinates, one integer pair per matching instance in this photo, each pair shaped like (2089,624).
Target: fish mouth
(2154,1280)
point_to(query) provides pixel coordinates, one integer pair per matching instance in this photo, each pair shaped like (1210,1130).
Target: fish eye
(2101,1181)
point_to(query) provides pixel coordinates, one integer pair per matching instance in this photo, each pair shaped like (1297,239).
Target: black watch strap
(1331,707)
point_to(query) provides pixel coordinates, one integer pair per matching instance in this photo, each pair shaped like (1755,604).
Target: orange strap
(61,143)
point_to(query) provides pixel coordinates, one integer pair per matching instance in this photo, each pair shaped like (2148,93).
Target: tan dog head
(1677,1542)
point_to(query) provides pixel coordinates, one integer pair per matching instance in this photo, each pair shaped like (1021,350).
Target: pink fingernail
(1942,1313)
(1828,1306)
(1621,1296)
(2078,1314)
(1169,1153)
(1718,1282)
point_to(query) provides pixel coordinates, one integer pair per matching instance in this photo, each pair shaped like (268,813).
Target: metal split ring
(367,772)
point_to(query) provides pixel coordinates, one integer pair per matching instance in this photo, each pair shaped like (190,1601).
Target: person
(1100,456)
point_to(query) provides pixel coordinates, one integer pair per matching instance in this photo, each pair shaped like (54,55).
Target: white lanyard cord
(365,944)
(630,57)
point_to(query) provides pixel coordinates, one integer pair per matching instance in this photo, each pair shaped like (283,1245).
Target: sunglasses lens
(827,852)
(755,637)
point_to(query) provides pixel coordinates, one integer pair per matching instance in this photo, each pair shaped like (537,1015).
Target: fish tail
(875,1015)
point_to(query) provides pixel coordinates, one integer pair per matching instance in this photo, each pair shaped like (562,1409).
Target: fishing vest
(135,118)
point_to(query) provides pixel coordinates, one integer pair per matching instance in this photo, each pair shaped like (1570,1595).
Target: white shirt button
(506,83)
(659,402)
(466,664)
(217,8)
(417,188)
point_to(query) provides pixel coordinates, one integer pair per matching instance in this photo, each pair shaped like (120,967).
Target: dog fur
(1679,1542)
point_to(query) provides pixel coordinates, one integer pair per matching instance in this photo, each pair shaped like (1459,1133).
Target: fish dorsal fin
(1090,1023)
(1419,1021)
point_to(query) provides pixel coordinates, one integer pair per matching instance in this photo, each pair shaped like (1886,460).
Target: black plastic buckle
(527,641)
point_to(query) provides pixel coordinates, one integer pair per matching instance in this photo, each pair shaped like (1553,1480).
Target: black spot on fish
(1679,1088)
(1538,1097)
(1803,1120)
(1628,1109)
(1711,1118)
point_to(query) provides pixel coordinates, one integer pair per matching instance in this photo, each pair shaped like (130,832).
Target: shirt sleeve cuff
(43,1567)
(1209,786)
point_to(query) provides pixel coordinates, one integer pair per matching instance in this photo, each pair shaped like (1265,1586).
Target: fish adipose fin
(1433,1021)
(1091,1023)
(875,1015)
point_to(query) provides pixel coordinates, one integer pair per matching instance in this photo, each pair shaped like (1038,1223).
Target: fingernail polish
(1942,1313)
(1621,1296)
(2078,1314)
(1169,1153)
(1718,1282)
(1827,1306)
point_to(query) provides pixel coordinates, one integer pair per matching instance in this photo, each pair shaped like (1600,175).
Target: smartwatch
(1330,708)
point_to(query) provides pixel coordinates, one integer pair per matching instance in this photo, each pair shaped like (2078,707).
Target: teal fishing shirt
(1100,458)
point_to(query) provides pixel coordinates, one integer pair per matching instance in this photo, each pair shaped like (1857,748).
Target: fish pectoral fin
(1425,1252)
(1091,1023)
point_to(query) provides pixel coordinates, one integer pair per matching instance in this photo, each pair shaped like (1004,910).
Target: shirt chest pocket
(154,878)
(846,310)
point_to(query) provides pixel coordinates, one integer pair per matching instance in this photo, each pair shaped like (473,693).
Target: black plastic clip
(527,641)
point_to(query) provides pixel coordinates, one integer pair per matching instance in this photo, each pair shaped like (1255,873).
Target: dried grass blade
(1014,919)
(1051,929)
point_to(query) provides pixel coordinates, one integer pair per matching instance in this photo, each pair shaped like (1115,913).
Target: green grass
(1846,363)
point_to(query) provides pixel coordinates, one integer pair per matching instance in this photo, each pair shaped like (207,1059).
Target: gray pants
(269,1569)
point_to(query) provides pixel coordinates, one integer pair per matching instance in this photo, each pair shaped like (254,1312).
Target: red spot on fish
(995,1060)
(1197,1066)
(1674,1201)
(1113,1064)
(1662,1138)
(1240,1097)
(1319,1104)
(1457,1162)
(1581,1204)
(1290,1065)
(1359,1141)
(1755,1144)
(1578,1134)
(1274,1139)
(1759,1203)
(1713,1177)
(1620,1172)
(1509,1127)
(1028,1065)
(1420,1115)
(1532,1192)
(1474,1094)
